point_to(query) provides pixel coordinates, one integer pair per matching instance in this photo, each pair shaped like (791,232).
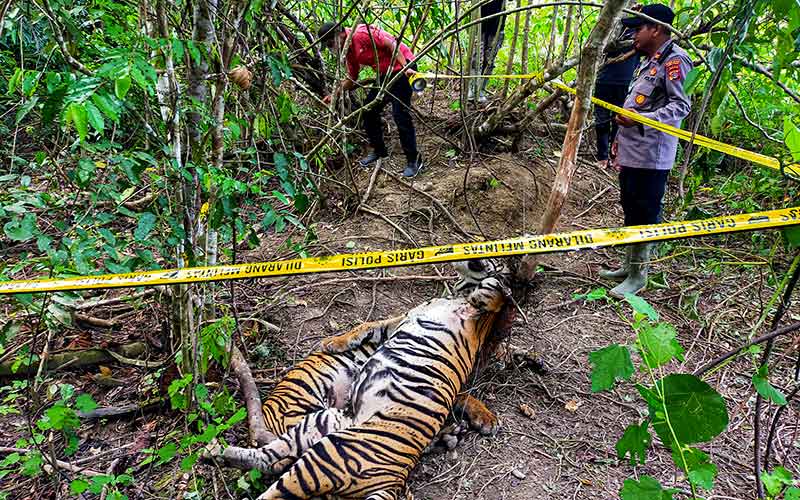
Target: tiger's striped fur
(400,400)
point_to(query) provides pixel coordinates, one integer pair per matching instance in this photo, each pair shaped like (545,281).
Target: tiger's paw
(336,344)
(485,422)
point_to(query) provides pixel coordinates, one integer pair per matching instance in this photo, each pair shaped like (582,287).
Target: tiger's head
(473,272)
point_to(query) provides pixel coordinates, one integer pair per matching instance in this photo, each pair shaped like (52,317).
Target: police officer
(644,156)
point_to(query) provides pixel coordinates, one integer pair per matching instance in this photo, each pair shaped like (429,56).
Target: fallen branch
(764,338)
(48,466)
(80,358)
(121,411)
(259,435)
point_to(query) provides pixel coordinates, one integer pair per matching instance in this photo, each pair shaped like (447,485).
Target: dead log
(587,73)
(75,359)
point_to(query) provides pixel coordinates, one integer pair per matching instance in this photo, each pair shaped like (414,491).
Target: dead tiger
(401,377)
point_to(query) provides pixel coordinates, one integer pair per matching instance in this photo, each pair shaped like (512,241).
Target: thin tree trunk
(551,47)
(513,52)
(565,37)
(526,33)
(587,73)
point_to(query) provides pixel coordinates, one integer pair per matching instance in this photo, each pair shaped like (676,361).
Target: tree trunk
(526,33)
(566,34)
(551,47)
(513,52)
(587,73)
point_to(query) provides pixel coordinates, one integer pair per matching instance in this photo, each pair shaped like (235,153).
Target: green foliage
(682,409)
(634,441)
(647,488)
(767,390)
(775,482)
(608,365)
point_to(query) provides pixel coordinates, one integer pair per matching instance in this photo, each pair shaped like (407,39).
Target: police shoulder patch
(673,67)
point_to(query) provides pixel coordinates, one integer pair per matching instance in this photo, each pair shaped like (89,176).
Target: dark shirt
(489,26)
(620,73)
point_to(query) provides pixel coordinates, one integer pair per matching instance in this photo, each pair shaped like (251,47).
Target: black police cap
(657,11)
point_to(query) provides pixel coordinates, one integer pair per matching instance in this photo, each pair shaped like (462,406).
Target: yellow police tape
(417,83)
(540,244)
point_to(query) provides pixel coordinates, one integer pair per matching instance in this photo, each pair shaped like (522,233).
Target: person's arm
(347,84)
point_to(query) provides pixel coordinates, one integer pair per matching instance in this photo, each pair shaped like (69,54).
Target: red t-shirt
(362,53)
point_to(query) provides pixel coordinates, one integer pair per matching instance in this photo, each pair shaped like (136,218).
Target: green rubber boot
(637,274)
(621,273)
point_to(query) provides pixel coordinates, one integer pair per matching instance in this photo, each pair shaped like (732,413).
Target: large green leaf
(121,86)
(775,482)
(641,306)
(647,488)
(147,222)
(791,136)
(658,345)
(609,364)
(79,117)
(14,80)
(762,385)
(697,412)
(21,229)
(95,117)
(26,108)
(792,493)
(634,441)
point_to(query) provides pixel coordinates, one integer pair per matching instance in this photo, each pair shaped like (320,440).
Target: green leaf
(792,235)
(167,452)
(21,230)
(691,81)
(98,482)
(188,462)
(775,482)
(32,465)
(608,365)
(658,345)
(596,294)
(300,202)
(95,117)
(121,86)
(635,440)
(792,493)
(26,108)
(62,418)
(85,403)
(791,136)
(177,49)
(696,464)
(14,80)
(697,412)
(78,486)
(147,222)
(106,105)
(641,306)
(647,488)
(762,385)
(78,115)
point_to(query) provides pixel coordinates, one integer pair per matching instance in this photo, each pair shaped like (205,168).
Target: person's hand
(624,121)
(327,99)
(410,72)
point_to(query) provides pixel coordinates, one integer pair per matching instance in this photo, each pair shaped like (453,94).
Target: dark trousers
(399,94)
(604,124)
(641,192)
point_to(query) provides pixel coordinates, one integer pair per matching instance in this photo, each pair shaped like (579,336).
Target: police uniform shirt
(657,93)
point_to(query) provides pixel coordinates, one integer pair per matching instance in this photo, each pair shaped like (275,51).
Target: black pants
(399,94)
(605,126)
(641,192)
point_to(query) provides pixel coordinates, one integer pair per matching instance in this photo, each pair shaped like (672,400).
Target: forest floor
(556,438)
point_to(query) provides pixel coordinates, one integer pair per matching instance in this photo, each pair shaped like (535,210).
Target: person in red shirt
(373,47)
